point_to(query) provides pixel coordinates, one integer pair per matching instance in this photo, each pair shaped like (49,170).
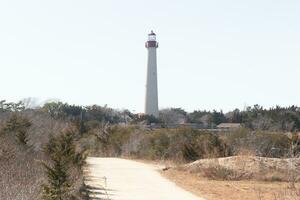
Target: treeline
(255,117)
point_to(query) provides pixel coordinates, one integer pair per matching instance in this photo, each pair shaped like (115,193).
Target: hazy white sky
(213,54)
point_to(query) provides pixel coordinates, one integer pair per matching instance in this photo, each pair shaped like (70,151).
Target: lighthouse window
(152,38)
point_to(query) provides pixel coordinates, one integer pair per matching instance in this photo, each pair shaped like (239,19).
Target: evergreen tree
(63,157)
(19,126)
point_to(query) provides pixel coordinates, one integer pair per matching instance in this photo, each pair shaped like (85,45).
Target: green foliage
(11,106)
(189,153)
(81,115)
(260,143)
(19,126)
(101,114)
(210,145)
(59,110)
(113,138)
(58,187)
(147,119)
(61,151)
(63,147)
(256,118)
(155,145)
(171,116)
(276,118)
(197,116)
(207,118)
(182,144)
(217,118)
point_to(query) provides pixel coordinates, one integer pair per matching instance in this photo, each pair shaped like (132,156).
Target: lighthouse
(151,103)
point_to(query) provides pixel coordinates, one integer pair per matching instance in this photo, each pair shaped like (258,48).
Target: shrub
(260,143)
(218,172)
(189,153)
(19,126)
(181,145)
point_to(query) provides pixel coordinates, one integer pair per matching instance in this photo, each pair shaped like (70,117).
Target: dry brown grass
(240,177)
(232,190)
(20,173)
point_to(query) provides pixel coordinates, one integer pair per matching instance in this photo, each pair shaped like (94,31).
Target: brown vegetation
(26,132)
(21,157)
(229,190)
(247,167)
(20,171)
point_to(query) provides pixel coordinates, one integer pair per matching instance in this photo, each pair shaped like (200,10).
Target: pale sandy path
(131,180)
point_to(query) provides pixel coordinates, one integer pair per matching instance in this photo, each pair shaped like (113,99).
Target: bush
(189,153)
(186,144)
(181,145)
(260,143)
(19,126)
(218,172)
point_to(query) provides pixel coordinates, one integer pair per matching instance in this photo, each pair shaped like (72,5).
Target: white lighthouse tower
(151,104)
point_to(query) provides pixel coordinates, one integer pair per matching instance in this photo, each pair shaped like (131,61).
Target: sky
(212,54)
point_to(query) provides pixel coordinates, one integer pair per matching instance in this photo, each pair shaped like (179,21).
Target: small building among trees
(229,126)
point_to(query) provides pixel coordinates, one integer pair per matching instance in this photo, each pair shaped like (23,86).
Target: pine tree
(58,184)
(19,126)
(61,151)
